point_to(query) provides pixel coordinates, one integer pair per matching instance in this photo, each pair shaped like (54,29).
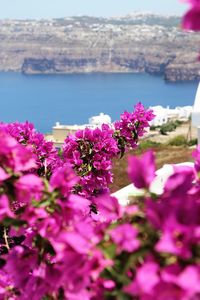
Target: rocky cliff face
(135,43)
(182,69)
(176,73)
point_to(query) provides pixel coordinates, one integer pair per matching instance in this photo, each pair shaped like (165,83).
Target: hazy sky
(21,9)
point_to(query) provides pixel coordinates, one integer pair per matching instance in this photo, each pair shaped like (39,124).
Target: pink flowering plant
(90,151)
(47,158)
(52,246)
(43,222)
(48,239)
(191,20)
(157,242)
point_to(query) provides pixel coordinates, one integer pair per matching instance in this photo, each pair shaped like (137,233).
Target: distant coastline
(178,80)
(173,77)
(136,43)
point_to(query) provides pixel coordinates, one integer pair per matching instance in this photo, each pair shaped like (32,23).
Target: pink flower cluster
(46,155)
(132,126)
(90,152)
(53,247)
(171,268)
(191,20)
(48,241)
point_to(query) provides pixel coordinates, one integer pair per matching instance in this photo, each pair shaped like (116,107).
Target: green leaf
(110,250)
(13,222)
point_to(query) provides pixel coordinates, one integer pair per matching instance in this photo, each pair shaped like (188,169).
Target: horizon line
(94,16)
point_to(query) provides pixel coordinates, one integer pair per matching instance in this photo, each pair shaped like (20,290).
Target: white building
(196,113)
(60,132)
(161,116)
(165,114)
(184,112)
(99,120)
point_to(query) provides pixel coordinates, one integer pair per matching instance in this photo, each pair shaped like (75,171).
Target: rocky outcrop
(57,65)
(175,73)
(181,69)
(171,72)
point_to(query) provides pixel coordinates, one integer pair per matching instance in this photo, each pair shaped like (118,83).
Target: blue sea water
(73,98)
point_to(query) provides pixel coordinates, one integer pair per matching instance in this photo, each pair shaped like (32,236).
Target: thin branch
(5,238)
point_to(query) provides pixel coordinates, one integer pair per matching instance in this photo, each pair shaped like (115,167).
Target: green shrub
(179,140)
(163,131)
(178,122)
(193,142)
(168,127)
(153,127)
(144,145)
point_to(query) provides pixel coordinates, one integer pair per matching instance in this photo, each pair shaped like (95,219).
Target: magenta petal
(190,279)
(191,20)
(148,270)
(125,236)
(142,170)
(5,210)
(3,175)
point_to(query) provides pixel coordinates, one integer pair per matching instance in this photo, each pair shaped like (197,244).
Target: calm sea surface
(72,99)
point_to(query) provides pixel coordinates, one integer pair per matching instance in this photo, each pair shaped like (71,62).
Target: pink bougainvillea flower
(191,20)
(91,151)
(154,283)
(77,204)
(176,239)
(132,125)
(46,155)
(5,281)
(180,182)
(108,208)
(189,279)
(125,236)
(28,187)
(196,156)
(63,179)
(19,264)
(146,279)
(186,279)
(141,169)
(5,210)
(13,155)
(3,175)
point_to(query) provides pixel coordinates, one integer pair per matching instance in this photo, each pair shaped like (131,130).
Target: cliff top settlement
(134,43)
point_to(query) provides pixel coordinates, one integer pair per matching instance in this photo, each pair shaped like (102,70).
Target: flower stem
(5,238)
